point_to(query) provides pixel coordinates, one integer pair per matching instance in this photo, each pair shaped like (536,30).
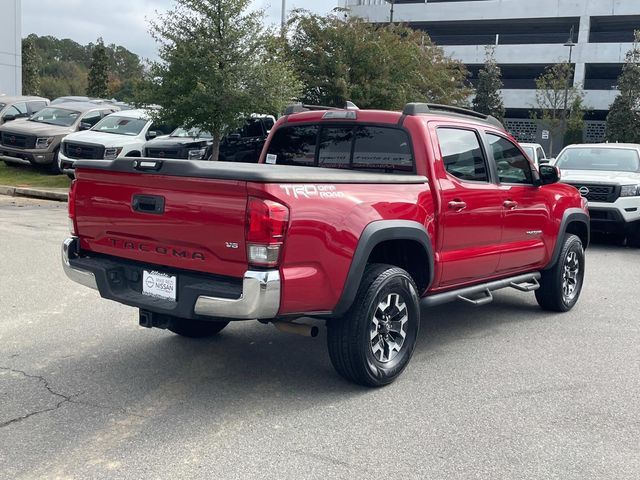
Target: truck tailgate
(180,222)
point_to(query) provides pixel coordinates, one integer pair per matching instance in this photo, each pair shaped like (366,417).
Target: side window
(11,111)
(268,123)
(541,153)
(161,128)
(253,128)
(36,106)
(294,146)
(462,154)
(335,147)
(512,165)
(21,107)
(380,149)
(17,110)
(92,118)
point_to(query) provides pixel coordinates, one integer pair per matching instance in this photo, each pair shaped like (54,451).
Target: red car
(356,217)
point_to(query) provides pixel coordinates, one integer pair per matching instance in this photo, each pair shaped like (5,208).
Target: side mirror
(549,174)
(85,126)
(9,118)
(234,136)
(152,134)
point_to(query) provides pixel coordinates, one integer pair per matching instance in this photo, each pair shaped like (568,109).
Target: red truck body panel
(200,216)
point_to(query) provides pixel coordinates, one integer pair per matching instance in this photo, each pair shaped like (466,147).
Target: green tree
(575,121)
(374,66)
(623,121)
(488,99)
(555,95)
(30,68)
(98,79)
(217,66)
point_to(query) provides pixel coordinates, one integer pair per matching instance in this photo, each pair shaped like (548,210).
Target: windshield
(607,159)
(120,125)
(529,151)
(193,133)
(56,116)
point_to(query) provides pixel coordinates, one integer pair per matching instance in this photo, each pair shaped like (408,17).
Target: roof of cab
(297,113)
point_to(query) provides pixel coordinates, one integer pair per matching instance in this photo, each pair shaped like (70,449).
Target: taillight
(72,208)
(267,223)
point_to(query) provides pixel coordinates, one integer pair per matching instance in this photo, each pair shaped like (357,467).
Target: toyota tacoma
(359,218)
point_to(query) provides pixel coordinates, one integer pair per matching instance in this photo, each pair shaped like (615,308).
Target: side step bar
(481,294)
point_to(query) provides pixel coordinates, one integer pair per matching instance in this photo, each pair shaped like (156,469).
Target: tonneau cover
(260,173)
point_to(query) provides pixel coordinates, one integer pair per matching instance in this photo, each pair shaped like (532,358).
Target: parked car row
(244,145)
(53,135)
(37,140)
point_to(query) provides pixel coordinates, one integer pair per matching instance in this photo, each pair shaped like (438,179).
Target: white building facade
(529,35)
(10,47)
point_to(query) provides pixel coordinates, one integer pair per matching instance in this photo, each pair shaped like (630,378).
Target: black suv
(244,145)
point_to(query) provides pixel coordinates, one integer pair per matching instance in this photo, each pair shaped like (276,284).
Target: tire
(633,237)
(54,167)
(195,328)
(359,343)
(11,164)
(560,286)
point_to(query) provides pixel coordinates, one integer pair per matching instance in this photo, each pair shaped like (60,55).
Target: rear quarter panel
(326,222)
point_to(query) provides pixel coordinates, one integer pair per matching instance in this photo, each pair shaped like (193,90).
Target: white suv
(120,134)
(608,176)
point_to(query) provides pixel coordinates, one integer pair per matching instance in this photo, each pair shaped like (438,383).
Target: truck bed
(258,173)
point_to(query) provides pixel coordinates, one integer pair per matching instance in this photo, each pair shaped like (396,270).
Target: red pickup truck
(360,218)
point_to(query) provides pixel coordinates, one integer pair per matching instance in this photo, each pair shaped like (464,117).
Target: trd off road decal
(312,191)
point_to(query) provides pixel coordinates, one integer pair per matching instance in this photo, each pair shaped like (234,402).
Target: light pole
(284,17)
(393,4)
(570,43)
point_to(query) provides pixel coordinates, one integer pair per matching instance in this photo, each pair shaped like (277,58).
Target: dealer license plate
(160,285)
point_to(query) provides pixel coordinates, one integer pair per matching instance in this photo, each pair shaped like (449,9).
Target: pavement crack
(63,398)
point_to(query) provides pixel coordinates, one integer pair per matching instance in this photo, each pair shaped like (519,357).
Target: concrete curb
(58,196)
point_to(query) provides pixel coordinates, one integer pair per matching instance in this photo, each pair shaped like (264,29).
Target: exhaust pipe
(297,328)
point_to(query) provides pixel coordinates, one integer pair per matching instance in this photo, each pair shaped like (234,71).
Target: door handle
(457,205)
(148,204)
(510,204)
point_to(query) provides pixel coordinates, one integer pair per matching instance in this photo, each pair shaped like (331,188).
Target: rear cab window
(369,148)
(462,154)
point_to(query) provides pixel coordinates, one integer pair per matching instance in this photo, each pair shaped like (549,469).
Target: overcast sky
(123,21)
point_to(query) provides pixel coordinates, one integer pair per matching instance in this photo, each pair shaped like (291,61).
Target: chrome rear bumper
(260,297)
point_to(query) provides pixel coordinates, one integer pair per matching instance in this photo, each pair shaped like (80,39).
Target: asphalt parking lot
(501,392)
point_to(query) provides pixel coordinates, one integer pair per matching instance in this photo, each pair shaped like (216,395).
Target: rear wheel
(560,286)
(195,328)
(373,343)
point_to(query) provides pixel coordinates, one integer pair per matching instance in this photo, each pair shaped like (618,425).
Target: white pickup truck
(608,176)
(121,134)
